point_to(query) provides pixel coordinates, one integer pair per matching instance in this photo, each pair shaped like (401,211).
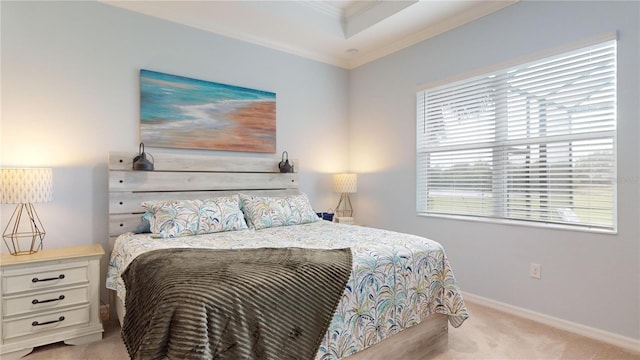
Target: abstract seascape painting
(185,113)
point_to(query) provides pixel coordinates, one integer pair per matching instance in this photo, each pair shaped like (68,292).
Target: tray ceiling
(345,33)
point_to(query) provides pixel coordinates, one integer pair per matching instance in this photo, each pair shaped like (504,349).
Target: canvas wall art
(185,113)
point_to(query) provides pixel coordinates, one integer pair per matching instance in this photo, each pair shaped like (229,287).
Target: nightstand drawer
(45,277)
(45,300)
(42,322)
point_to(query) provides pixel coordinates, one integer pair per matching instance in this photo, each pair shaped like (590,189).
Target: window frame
(500,181)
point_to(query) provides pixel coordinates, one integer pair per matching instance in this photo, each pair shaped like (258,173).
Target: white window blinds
(533,142)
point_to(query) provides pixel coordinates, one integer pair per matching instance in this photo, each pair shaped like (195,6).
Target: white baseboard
(624,342)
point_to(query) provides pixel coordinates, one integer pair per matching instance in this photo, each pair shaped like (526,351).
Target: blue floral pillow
(192,217)
(264,212)
(145,225)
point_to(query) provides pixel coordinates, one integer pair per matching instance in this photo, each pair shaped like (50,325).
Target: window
(533,142)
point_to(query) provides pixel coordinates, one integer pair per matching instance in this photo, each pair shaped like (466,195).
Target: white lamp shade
(345,183)
(26,185)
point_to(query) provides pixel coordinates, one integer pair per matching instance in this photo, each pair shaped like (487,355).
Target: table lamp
(25,186)
(345,184)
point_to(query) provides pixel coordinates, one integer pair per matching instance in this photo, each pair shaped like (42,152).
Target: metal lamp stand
(14,239)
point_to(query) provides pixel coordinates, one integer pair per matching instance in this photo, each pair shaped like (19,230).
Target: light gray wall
(70,94)
(587,278)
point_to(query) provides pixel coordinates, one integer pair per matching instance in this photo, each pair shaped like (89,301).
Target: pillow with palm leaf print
(263,212)
(175,218)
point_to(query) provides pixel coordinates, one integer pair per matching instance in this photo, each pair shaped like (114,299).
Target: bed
(399,295)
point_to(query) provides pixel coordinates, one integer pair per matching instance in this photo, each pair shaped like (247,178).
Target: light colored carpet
(487,334)
(494,335)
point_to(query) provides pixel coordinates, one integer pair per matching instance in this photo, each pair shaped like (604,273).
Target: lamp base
(26,233)
(346,210)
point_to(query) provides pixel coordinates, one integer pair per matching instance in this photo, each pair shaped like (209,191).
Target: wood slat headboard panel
(198,162)
(197,181)
(188,176)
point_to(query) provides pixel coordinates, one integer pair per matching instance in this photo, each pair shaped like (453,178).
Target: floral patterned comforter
(397,279)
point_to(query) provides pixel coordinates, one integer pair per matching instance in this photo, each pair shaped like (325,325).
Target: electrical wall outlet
(534,270)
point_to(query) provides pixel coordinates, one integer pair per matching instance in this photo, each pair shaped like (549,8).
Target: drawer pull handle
(35,280)
(35,323)
(36,301)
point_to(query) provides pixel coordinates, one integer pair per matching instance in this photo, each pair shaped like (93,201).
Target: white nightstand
(50,296)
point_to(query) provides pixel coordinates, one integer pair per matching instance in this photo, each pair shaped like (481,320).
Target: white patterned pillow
(264,212)
(192,217)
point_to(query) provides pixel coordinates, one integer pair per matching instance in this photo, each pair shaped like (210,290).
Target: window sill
(551,226)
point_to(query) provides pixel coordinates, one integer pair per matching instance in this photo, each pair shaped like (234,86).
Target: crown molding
(453,22)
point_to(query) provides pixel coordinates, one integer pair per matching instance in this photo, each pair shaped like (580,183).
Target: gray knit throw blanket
(265,303)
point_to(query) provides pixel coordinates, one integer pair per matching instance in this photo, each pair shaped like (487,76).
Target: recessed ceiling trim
(372,15)
(358,7)
(325,8)
(432,31)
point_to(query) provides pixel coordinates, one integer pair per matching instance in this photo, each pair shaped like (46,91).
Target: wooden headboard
(188,176)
